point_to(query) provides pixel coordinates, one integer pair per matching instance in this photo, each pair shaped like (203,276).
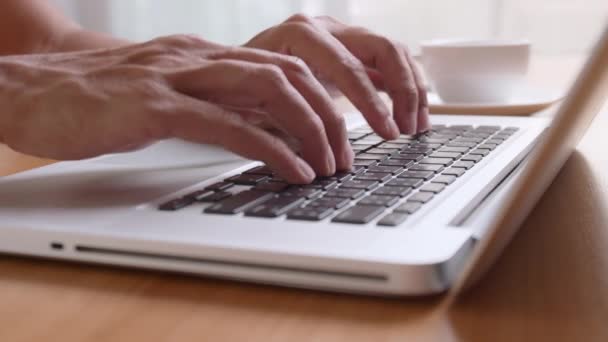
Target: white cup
(469,71)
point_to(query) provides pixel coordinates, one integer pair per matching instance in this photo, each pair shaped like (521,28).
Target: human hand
(357,62)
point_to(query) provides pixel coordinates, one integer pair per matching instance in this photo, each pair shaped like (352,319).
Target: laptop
(416,216)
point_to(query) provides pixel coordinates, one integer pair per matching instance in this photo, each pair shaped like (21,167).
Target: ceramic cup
(482,71)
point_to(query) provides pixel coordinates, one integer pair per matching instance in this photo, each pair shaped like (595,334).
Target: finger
(424,122)
(205,123)
(300,76)
(263,87)
(392,61)
(327,56)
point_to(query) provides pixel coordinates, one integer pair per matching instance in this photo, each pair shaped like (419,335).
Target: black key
(176,204)
(364,162)
(386,151)
(408,207)
(461,144)
(360,148)
(426,167)
(345,193)
(511,129)
(454,172)
(260,170)
(469,139)
(329,202)
(239,202)
(454,149)
(460,127)
(274,207)
(472,157)
(391,145)
(199,194)
(385,169)
(436,161)
(426,175)
(433,187)
(417,150)
(501,136)
(357,169)
(480,151)
(487,146)
(488,128)
(393,191)
(378,200)
(408,156)
(310,214)
(434,141)
(356,136)
(397,162)
(421,197)
(220,186)
(359,184)
(296,191)
(247,179)
(494,141)
(463,164)
(393,219)
(359,214)
(451,155)
(271,186)
(373,176)
(444,179)
(325,184)
(368,156)
(340,176)
(214,197)
(405,182)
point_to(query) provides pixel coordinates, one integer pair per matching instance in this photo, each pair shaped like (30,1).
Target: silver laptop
(416,216)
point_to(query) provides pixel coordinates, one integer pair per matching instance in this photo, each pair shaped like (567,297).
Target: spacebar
(239,202)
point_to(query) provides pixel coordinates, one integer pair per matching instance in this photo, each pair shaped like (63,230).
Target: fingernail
(305,170)
(390,127)
(347,158)
(331,164)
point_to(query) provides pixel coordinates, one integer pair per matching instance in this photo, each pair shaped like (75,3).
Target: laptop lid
(584,101)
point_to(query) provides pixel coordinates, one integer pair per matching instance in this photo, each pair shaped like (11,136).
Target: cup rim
(474,43)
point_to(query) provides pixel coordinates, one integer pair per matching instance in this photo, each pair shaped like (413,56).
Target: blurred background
(555,27)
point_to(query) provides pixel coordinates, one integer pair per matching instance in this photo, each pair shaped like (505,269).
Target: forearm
(35,26)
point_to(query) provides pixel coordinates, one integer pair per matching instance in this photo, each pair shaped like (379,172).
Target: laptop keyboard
(390,180)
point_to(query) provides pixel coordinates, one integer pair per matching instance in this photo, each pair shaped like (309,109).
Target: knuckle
(299,30)
(273,76)
(299,18)
(296,64)
(352,64)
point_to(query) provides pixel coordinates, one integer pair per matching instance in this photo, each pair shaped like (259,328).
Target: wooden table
(550,285)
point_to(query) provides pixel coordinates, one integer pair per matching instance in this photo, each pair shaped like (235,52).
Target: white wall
(554,26)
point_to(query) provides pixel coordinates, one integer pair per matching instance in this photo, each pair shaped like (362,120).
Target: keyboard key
(444,179)
(408,207)
(214,197)
(487,146)
(368,156)
(220,186)
(476,158)
(359,184)
(400,191)
(296,191)
(481,152)
(373,176)
(461,144)
(199,194)
(345,193)
(271,186)
(356,136)
(488,128)
(397,162)
(247,179)
(310,213)
(359,214)
(436,161)
(385,151)
(426,167)
(463,164)
(405,182)
(176,204)
(417,150)
(421,197)
(454,149)
(469,139)
(433,187)
(391,145)
(450,155)
(356,169)
(426,175)
(377,200)
(329,202)
(325,184)
(340,176)
(385,169)
(260,170)
(457,172)
(494,141)
(364,162)
(408,156)
(393,219)
(274,207)
(239,202)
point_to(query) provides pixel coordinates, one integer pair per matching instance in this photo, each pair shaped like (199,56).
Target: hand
(356,61)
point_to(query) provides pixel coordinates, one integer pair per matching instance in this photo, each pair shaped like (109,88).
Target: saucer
(527,100)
